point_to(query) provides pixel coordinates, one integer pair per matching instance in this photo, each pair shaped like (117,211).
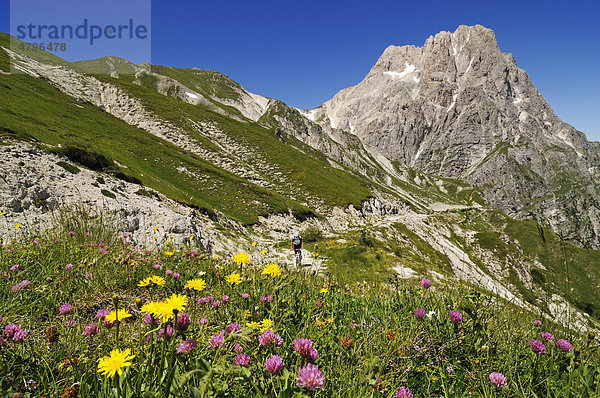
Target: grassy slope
(571,271)
(305,168)
(367,336)
(58,119)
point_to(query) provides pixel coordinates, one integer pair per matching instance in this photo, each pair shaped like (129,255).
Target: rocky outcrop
(35,187)
(459,107)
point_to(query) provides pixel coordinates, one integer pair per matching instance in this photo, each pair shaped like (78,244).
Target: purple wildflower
(149,319)
(69,266)
(238,348)
(205,300)
(305,348)
(537,323)
(242,360)
(225,299)
(420,313)
(455,316)
(547,336)
(102,313)
(268,298)
(498,380)
(203,321)
(186,346)
(268,337)
(176,275)
(537,346)
(183,322)
(245,295)
(216,304)
(425,283)
(10,329)
(564,345)
(167,334)
(404,392)
(233,327)
(217,340)
(71,323)
(169,272)
(310,377)
(20,334)
(90,330)
(20,286)
(274,364)
(65,309)
(15,267)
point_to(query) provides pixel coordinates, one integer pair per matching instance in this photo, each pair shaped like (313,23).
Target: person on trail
(297,246)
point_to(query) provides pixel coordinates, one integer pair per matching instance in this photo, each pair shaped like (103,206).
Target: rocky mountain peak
(459,107)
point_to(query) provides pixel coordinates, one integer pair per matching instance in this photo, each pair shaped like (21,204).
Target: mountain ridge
(458,107)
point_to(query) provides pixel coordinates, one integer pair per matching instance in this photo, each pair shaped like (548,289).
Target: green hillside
(60,120)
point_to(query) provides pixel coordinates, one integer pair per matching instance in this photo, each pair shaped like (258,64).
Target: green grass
(300,166)
(368,339)
(305,174)
(59,120)
(570,270)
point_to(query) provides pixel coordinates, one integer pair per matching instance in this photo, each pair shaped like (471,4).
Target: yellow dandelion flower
(169,253)
(324,290)
(115,362)
(254,243)
(163,310)
(234,279)
(266,324)
(157,280)
(118,315)
(3,213)
(272,269)
(253,324)
(150,308)
(196,284)
(241,258)
(156,228)
(191,237)
(264,251)
(18,225)
(145,282)
(178,301)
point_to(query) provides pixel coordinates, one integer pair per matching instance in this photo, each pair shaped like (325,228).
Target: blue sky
(305,52)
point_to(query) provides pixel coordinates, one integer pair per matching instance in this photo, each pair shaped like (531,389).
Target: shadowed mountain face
(458,107)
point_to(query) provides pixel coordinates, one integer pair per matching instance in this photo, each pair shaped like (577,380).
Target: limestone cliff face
(459,107)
